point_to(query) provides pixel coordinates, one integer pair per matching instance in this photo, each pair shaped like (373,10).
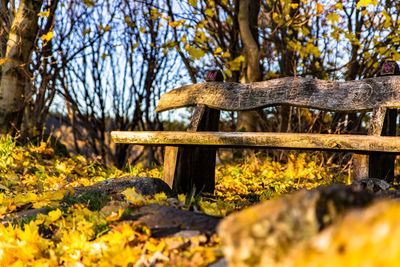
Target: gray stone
(168,221)
(371,184)
(143,186)
(219,263)
(12,218)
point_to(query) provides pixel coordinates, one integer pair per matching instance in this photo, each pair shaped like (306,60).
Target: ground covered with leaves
(77,232)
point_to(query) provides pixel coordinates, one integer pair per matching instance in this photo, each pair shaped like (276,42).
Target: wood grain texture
(361,163)
(381,165)
(186,168)
(170,159)
(334,142)
(349,96)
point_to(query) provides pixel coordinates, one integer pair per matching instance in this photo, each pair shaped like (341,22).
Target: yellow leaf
(175,24)
(365,3)
(86,31)
(129,22)
(333,17)
(209,12)
(53,196)
(184,39)
(229,20)
(202,24)
(133,196)
(104,56)
(47,37)
(319,8)
(236,63)
(181,197)
(195,53)
(88,3)
(226,55)
(4,60)
(54,215)
(275,17)
(193,3)
(104,28)
(142,29)
(160,196)
(115,216)
(44,13)
(218,50)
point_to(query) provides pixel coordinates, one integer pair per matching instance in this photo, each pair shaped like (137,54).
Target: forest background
(79,69)
(98,66)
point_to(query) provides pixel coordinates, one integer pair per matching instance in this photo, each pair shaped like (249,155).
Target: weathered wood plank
(361,163)
(333,142)
(186,168)
(381,165)
(348,96)
(170,159)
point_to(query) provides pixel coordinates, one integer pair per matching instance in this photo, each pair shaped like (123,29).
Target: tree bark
(15,72)
(248,18)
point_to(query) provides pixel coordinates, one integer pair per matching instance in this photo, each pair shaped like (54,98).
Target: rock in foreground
(368,237)
(142,185)
(264,235)
(166,221)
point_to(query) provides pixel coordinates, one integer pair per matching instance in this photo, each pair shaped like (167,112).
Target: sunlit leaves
(175,24)
(4,60)
(114,216)
(45,13)
(193,3)
(236,63)
(24,246)
(80,235)
(133,196)
(194,52)
(209,12)
(129,22)
(47,37)
(365,3)
(53,216)
(333,17)
(88,3)
(319,8)
(104,28)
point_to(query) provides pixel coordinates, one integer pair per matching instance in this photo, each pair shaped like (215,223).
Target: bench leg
(189,168)
(381,165)
(170,159)
(378,165)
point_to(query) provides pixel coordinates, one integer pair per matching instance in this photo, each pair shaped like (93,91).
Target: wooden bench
(190,156)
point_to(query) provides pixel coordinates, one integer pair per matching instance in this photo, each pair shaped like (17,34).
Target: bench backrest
(350,96)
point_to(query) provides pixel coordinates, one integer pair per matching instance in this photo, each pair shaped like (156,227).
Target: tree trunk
(15,72)
(248,18)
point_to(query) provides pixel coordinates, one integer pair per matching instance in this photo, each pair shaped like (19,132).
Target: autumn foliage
(77,231)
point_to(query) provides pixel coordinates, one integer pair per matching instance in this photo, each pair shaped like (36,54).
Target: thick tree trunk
(15,72)
(248,20)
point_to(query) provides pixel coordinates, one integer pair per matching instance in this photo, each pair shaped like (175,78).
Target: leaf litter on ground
(75,231)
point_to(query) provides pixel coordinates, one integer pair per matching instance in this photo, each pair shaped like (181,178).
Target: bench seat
(301,141)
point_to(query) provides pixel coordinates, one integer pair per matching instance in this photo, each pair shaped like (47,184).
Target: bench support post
(381,165)
(377,165)
(193,168)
